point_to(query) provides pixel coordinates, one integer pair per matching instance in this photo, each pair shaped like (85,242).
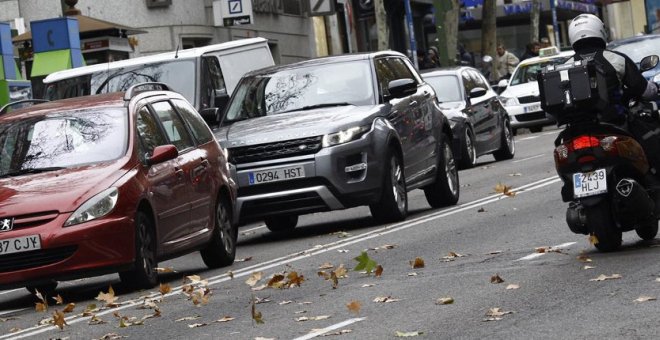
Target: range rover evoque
(333,133)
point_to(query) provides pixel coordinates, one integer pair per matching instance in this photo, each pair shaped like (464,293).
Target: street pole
(555,27)
(441,9)
(411,34)
(382,25)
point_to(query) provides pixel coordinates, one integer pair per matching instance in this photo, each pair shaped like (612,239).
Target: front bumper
(528,115)
(88,249)
(328,183)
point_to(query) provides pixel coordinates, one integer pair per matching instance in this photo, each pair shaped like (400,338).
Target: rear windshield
(61,140)
(179,75)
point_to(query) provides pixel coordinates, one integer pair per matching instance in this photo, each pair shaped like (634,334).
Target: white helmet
(586,26)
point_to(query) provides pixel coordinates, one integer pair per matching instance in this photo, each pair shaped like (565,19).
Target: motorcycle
(607,178)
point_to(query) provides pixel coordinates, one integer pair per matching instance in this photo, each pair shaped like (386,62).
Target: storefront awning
(88,25)
(46,63)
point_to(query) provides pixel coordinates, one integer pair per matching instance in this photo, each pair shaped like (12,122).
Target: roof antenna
(176,53)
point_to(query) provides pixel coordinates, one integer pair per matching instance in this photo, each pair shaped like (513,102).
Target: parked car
(337,132)
(639,47)
(110,183)
(206,76)
(475,114)
(520,96)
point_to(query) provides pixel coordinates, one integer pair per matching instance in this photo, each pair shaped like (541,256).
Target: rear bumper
(525,116)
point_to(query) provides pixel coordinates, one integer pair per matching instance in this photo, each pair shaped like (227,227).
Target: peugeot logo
(302,147)
(6,224)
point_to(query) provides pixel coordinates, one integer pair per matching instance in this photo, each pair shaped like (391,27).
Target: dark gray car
(334,133)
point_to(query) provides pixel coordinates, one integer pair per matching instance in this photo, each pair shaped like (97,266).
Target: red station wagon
(110,183)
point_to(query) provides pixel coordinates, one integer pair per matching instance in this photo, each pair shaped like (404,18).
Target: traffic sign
(322,7)
(232,12)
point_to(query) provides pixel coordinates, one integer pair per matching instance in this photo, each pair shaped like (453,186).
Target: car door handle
(413,103)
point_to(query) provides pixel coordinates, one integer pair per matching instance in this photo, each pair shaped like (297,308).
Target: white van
(206,76)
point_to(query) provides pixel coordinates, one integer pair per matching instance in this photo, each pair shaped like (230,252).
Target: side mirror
(211,116)
(477,92)
(503,83)
(402,87)
(649,62)
(163,153)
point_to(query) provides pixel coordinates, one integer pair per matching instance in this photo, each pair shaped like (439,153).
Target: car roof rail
(3,110)
(132,91)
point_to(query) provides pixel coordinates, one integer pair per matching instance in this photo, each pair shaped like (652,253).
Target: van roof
(182,54)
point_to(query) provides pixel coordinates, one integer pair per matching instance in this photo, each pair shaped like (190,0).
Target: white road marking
(28,332)
(526,159)
(10,291)
(527,138)
(253,229)
(551,133)
(329,328)
(536,255)
(5,312)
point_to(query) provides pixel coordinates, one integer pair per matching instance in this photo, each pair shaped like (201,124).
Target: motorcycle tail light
(584,142)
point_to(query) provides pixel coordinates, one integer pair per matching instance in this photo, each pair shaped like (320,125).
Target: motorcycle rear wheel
(601,223)
(648,232)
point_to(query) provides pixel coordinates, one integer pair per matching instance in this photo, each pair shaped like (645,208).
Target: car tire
(508,146)
(393,203)
(143,274)
(221,250)
(281,223)
(536,129)
(445,190)
(45,289)
(469,152)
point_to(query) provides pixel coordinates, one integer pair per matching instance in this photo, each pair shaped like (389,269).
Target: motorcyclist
(588,36)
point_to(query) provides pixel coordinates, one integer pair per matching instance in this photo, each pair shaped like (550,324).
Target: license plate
(20,244)
(589,183)
(533,108)
(274,175)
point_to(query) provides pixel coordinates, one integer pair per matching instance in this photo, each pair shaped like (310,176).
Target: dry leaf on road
(254,278)
(58,319)
(588,267)
(604,277)
(645,299)
(400,334)
(245,259)
(512,286)
(504,190)
(188,318)
(109,298)
(354,306)
(58,300)
(379,271)
(496,279)
(225,319)
(164,288)
(326,265)
(497,312)
(385,299)
(444,301)
(583,258)
(417,263)
(69,308)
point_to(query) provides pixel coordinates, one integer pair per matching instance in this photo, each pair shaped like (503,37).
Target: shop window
(292,7)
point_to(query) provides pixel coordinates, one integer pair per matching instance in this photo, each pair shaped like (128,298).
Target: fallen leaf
(40,307)
(230,274)
(312,318)
(90,309)
(379,271)
(294,280)
(604,277)
(188,318)
(245,259)
(305,303)
(588,267)
(164,288)
(95,320)
(276,281)
(197,325)
(412,274)
(367,285)
(197,280)
(400,334)
(14,330)
(225,319)
(262,338)
(69,308)
(444,301)
(497,312)
(504,190)
(516,174)
(58,300)
(584,258)
(341,332)
(354,306)
(109,298)
(496,279)
(512,286)
(417,263)
(387,246)
(326,265)
(493,319)
(262,287)
(148,304)
(494,252)
(111,336)
(256,315)
(259,300)
(540,250)
(341,272)
(285,302)
(343,250)
(341,234)
(7,319)
(385,299)
(365,263)
(481,210)
(657,279)
(593,239)
(300,312)
(166,270)
(645,299)
(58,319)
(253,279)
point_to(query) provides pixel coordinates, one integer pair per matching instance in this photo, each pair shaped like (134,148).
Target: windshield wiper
(31,171)
(317,106)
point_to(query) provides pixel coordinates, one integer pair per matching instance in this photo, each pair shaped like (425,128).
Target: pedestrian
(431,59)
(545,42)
(531,50)
(464,57)
(506,62)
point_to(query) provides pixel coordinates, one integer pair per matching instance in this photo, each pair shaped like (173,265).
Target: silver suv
(334,133)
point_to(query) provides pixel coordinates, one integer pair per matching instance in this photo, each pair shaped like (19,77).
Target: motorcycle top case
(574,91)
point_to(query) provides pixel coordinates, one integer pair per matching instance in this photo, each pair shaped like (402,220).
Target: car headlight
(97,206)
(510,101)
(344,136)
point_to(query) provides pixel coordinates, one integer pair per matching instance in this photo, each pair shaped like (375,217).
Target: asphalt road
(549,294)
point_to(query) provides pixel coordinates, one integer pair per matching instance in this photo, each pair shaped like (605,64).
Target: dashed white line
(536,255)
(526,159)
(10,291)
(527,138)
(329,328)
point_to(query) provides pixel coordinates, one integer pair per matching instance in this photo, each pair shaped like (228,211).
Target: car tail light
(584,142)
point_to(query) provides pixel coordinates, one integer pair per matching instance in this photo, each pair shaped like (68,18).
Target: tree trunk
(381,25)
(446,25)
(535,19)
(489,34)
(451,24)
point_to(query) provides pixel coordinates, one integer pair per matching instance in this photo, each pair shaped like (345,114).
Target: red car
(110,183)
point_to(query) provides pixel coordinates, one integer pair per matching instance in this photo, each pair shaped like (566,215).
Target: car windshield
(639,49)
(179,75)
(527,73)
(61,140)
(446,88)
(303,88)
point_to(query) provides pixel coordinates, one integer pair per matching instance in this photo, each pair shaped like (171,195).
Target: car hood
(294,125)
(62,190)
(522,90)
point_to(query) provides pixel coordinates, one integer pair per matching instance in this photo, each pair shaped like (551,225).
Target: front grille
(291,204)
(528,117)
(267,188)
(35,219)
(262,152)
(529,99)
(35,258)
